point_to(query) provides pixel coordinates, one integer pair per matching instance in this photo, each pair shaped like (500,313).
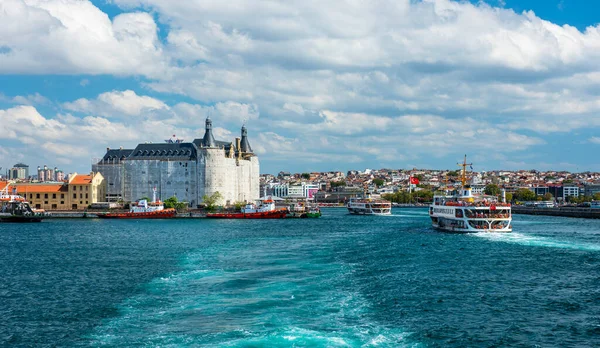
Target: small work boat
(14,208)
(265,209)
(303,210)
(143,210)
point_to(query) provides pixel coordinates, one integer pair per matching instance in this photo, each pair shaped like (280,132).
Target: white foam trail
(537,241)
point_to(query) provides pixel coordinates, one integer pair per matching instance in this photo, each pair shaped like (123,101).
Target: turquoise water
(338,281)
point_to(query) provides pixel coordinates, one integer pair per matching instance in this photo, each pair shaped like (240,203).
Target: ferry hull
(160,214)
(464,219)
(354,211)
(461,230)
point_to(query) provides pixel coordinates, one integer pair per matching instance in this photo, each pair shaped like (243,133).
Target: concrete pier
(575,212)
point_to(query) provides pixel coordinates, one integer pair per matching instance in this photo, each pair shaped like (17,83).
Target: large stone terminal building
(187,171)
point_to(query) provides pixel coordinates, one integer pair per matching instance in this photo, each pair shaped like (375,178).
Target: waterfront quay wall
(585,213)
(93,215)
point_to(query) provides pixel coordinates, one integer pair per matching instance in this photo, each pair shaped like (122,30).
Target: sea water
(337,281)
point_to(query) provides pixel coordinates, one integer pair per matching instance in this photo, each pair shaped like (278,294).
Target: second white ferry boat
(369,206)
(463,211)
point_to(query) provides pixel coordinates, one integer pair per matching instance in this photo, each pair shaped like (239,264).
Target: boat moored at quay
(464,212)
(14,208)
(143,210)
(303,210)
(264,209)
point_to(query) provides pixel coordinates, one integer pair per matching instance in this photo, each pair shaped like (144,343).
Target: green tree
(337,183)
(174,203)
(379,182)
(423,196)
(238,206)
(597,196)
(453,173)
(548,196)
(492,190)
(509,197)
(524,194)
(305,176)
(211,201)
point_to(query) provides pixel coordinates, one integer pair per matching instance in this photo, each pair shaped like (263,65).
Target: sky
(320,85)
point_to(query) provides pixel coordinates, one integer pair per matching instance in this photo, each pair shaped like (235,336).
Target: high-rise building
(18,171)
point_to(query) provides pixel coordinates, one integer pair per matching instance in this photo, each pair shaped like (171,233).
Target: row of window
(54,206)
(62,195)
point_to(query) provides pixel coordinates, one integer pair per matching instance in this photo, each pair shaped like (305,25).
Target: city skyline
(338,86)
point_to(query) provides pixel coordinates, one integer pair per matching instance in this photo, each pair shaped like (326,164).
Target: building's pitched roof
(40,188)
(174,151)
(81,179)
(114,155)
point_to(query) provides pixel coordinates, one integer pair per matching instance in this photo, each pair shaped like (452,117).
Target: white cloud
(74,36)
(407,76)
(117,103)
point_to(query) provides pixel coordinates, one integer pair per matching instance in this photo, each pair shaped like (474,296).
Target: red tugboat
(264,210)
(143,210)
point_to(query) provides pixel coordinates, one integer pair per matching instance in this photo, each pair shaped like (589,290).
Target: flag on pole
(414,181)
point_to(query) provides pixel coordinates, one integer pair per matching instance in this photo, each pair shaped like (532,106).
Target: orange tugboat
(264,210)
(143,210)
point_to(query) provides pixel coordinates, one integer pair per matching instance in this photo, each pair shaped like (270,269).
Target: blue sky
(321,86)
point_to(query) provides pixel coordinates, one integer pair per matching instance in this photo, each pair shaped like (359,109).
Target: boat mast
(464,171)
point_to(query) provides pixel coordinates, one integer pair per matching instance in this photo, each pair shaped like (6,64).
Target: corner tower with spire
(209,139)
(245,145)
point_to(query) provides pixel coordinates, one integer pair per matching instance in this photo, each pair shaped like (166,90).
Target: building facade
(19,171)
(77,194)
(188,171)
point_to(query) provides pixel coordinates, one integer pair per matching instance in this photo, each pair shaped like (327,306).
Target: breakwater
(574,212)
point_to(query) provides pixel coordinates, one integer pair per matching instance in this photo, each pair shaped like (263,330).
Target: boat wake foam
(536,241)
(276,301)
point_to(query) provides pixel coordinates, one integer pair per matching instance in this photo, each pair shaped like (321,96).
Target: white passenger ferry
(369,206)
(463,212)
